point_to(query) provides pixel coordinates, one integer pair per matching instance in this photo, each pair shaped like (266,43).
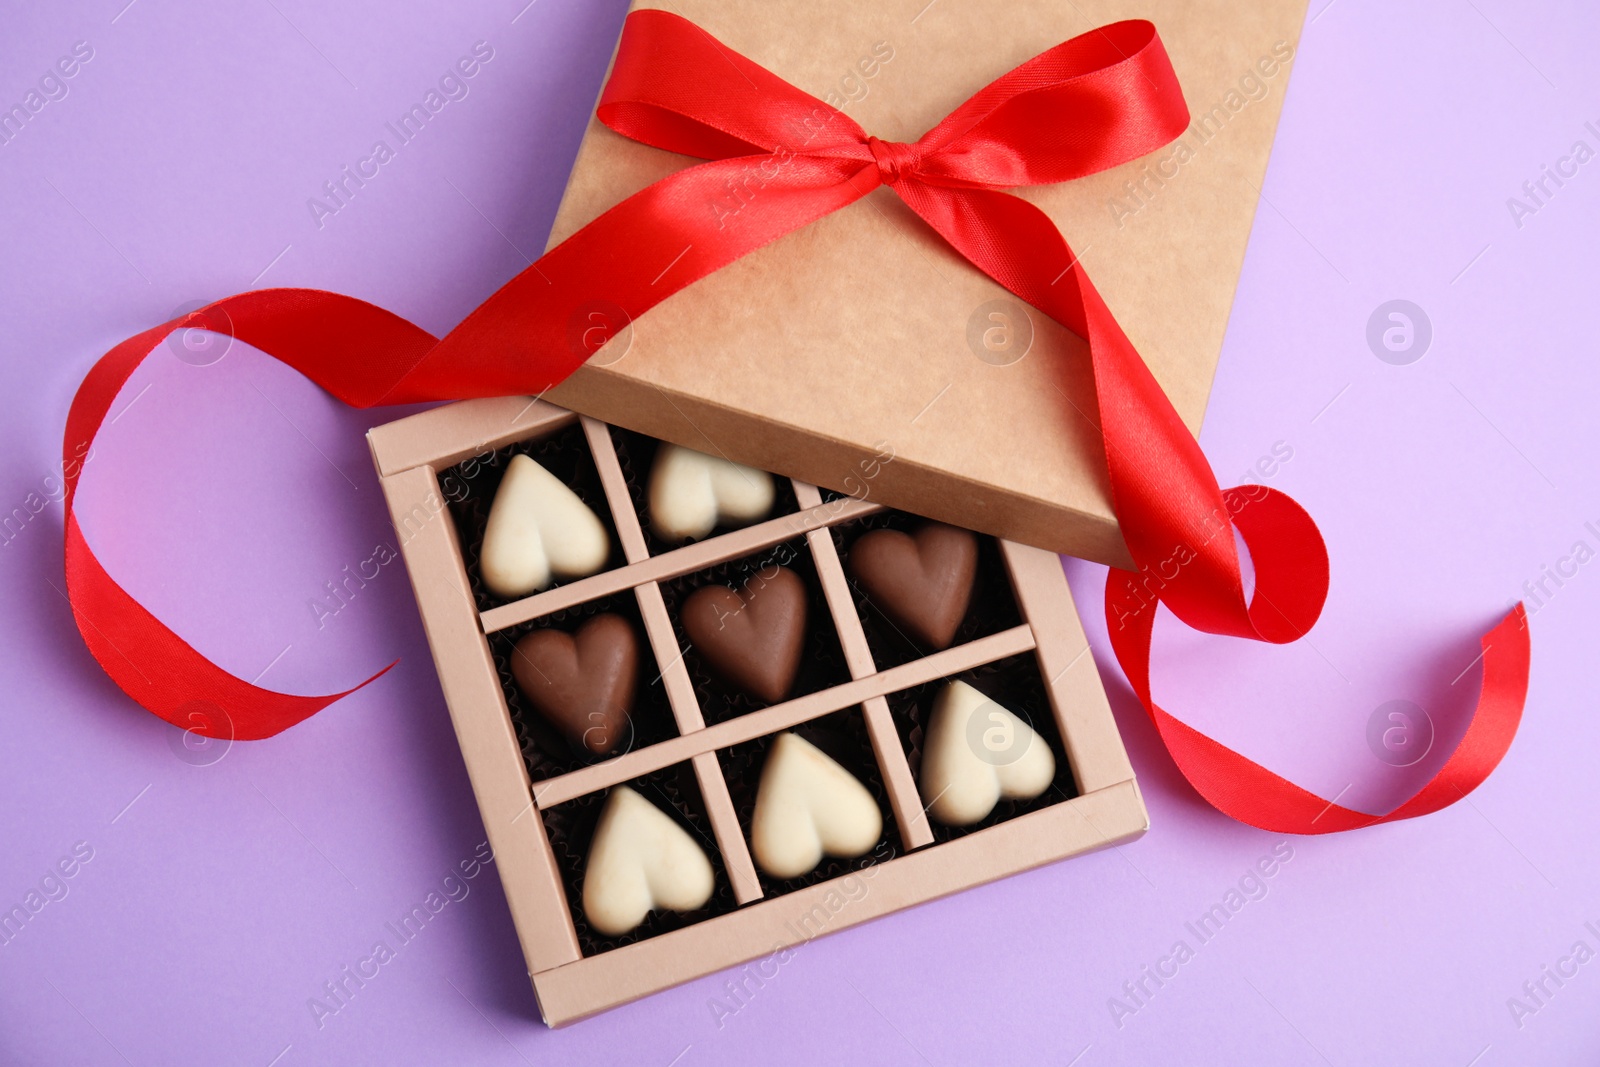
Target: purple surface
(227,886)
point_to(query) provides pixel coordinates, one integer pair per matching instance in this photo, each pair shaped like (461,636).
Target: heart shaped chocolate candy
(691,493)
(582,683)
(976,753)
(922,580)
(808,806)
(538,530)
(753,637)
(641,860)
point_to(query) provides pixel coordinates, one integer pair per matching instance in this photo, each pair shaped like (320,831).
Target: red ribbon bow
(1089,104)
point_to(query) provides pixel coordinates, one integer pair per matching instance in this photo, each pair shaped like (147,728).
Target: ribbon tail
(1179,528)
(348,347)
(1169,507)
(365,356)
(165,674)
(1507,659)
(1246,791)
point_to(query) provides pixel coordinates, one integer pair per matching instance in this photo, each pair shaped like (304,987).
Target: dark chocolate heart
(753,637)
(922,580)
(582,683)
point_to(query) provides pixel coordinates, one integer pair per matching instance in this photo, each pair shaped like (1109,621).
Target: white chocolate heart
(808,805)
(538,530)
(640,860)
(690,492)
(974,752)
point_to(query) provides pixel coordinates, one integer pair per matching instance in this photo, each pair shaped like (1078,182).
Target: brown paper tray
(1096,803)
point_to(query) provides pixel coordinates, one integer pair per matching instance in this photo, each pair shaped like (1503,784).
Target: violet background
(221,897)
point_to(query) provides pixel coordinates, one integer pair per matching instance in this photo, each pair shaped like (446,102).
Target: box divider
(565,787)
(686,560)
(674,674)
(1077,698)
(725,824)
(909,814)
(623,516)
(841,604)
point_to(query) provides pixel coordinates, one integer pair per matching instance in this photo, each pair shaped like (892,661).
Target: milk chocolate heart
(752,637)
(584,683)
(922,580)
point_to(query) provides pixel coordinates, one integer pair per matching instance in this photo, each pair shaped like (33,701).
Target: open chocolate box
(693,745)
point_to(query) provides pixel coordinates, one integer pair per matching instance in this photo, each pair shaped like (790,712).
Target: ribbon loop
(676,87)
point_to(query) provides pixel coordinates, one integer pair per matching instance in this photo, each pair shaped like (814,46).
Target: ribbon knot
(894,158)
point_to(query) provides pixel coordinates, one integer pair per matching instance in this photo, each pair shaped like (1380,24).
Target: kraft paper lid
(850,337)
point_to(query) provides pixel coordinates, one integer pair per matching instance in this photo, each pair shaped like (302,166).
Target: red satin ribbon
(1091,103)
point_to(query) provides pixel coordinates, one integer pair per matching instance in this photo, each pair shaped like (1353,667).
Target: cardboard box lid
(850,337)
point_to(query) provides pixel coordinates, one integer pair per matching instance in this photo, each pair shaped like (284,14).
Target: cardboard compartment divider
(725,824)
(604,451)
(674,675)
(1078,700)
(841,605)
(686,560)
(910,816)
(770,720)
